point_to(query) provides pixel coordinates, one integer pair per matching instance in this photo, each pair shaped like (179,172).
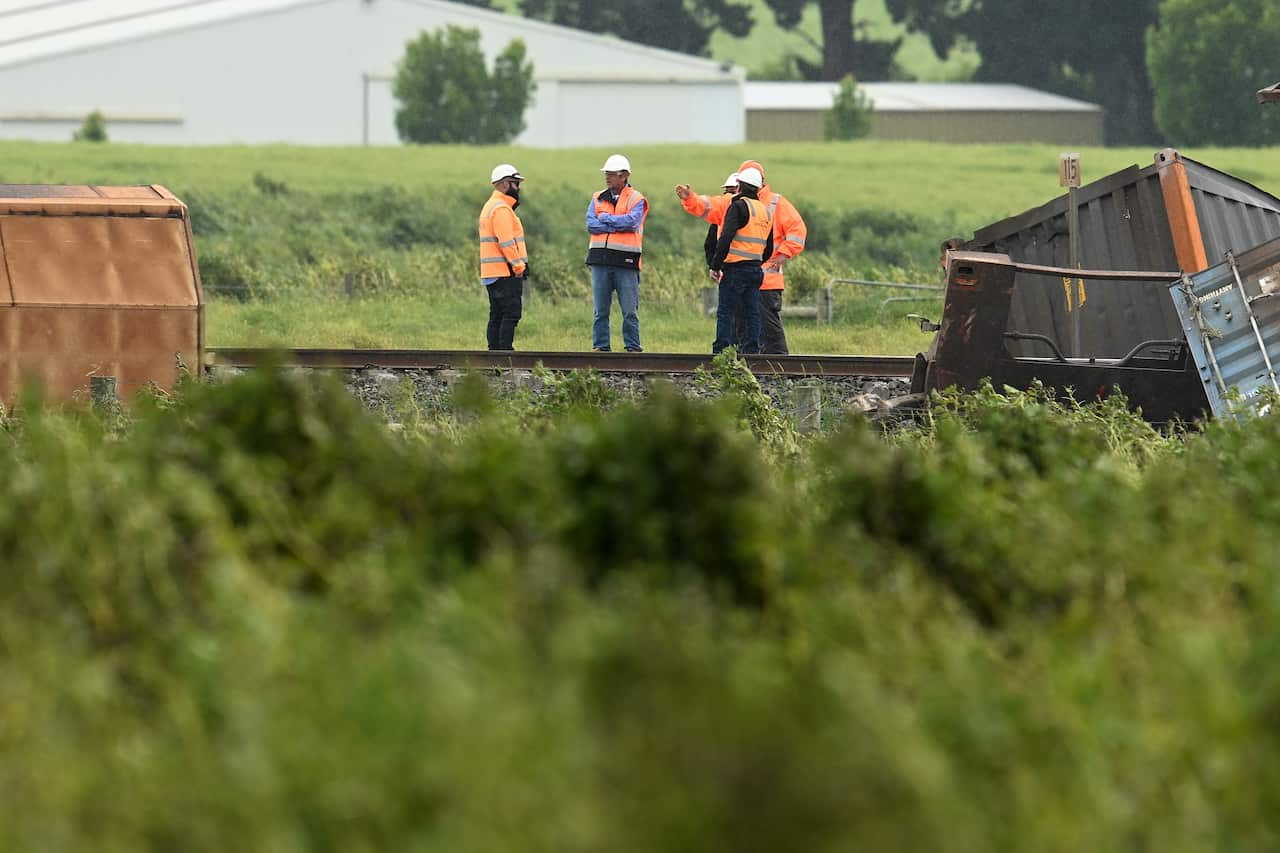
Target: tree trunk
(837,38)
(1124,91)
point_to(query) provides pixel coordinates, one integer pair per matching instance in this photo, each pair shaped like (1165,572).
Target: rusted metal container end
(1016,309)
(1176,214)
(974,342)
(96,281)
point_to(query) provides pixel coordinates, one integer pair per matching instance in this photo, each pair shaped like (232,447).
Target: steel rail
(619,362)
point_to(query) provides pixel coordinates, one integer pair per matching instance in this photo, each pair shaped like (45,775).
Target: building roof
(913,97)
(35,29)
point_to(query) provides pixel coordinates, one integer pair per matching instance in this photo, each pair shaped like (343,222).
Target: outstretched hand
(683,191)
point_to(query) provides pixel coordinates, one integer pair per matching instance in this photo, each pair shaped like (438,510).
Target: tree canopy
(1091,49)
(446,93)
(845,47)
(1208,58)
(682,25)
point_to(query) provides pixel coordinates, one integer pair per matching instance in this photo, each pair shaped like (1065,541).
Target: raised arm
(708,208)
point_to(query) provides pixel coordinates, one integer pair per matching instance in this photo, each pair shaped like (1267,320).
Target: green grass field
(458,321)
(375,246)
(973,183)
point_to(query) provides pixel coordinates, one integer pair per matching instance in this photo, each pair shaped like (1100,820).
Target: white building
(319,72)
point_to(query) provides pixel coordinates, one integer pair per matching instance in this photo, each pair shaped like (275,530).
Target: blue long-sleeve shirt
(612,223)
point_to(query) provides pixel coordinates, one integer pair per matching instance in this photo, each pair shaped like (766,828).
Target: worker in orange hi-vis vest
(713,230)
(789,233)
(615,222)
(744,245)
(504,260)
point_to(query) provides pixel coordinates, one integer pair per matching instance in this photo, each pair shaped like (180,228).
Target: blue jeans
(604,281)
(739,287)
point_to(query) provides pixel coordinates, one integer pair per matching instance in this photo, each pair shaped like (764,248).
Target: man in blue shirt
(615,221)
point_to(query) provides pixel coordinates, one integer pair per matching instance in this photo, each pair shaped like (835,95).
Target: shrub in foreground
(253,616)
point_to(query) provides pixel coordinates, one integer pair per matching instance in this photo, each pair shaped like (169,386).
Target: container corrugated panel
(27,191)
(1214,309)
(1124,226)
(96,281)
(1234,215)
(44,191)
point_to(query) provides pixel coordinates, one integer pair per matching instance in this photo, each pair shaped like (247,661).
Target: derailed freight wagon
(1016,311)
(96,281)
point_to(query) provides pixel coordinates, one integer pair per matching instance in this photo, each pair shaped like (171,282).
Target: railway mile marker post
(1069,177)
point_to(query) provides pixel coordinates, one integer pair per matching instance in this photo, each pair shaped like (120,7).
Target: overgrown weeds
(731,380)
(251,615)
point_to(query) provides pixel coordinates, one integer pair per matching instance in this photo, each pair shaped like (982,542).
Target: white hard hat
(616,163)
(752,177)
(731,181)
(505,170)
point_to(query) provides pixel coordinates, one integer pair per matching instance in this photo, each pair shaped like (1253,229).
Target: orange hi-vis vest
(789,230)
(502,249)
(621,248)
(748,244)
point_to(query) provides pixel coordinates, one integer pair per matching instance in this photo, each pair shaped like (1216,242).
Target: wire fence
(934,290)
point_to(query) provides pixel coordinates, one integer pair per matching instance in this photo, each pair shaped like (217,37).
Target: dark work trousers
(773,340)
(739,287)
(505,297)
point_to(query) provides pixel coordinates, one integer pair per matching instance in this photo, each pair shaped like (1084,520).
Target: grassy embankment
(375,247)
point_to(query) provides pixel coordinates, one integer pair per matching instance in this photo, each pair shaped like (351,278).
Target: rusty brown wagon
(96,281)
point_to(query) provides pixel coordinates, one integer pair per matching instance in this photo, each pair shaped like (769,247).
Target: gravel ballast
(383,390)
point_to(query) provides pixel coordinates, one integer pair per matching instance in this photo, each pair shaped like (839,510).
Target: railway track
(619,362)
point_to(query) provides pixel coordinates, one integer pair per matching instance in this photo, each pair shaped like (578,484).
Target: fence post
(710,301)
(808,408)
(823,302)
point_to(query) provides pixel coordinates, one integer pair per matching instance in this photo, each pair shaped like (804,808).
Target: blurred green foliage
(851,114)
(445,92)
(251,615)
(92,129)
(1207,59)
